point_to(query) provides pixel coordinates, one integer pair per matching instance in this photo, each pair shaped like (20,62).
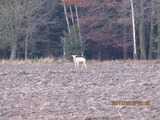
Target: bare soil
(60,92)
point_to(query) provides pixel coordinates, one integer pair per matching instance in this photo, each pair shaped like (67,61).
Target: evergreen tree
(71,43)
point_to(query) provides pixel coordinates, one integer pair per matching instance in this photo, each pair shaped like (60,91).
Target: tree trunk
(151,35)
(71,11)
(64,46)
(124,44)
(73,24)
(79,29)
(65,12)
(78,22)
(134,33)
(26,47)
(13,51)
(158,11)
(68,26)
(99,53)
(141,33)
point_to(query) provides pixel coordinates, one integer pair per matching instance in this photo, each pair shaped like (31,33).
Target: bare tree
(74,24)
(19,19)
(68,26)
(66,16)
(151,30)
(142,30)
(79,29)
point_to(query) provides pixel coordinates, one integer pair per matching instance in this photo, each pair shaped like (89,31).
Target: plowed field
(115,90)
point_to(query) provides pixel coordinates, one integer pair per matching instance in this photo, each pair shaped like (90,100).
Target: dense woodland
(97,29)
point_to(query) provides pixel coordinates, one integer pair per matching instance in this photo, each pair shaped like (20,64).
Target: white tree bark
(71,11)
(65,12)
(79,28)
(134,33)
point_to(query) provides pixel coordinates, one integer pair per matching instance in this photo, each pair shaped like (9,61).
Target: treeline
(30,28)
(97,29)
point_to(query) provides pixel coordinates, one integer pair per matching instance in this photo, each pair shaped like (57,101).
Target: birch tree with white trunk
(134,33)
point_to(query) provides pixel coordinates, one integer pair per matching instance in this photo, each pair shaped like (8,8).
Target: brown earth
(60,92)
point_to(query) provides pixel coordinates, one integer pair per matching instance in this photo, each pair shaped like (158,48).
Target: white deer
(78,60)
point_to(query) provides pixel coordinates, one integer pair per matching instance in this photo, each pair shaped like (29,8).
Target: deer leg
(85,64)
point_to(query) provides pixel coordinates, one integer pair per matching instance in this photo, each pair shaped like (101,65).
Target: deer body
(78,60)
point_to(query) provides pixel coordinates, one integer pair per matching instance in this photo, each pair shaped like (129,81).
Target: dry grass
(134,62)
(50,60)
(12,61)
(47,60)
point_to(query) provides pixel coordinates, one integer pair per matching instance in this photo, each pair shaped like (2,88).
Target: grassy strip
(49,60)
(32,61)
